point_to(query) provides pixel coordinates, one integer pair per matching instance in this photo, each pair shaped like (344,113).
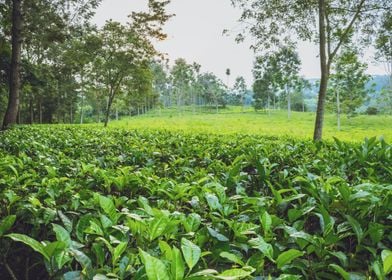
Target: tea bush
(85,203)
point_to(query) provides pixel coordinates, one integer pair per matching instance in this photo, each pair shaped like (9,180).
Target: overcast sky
(195,33)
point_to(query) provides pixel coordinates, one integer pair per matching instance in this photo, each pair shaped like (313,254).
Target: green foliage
(349,80)
(371,111)
(273,72)
(118,204)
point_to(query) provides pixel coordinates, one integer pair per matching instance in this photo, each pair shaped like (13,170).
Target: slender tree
(348,84)
(240,90)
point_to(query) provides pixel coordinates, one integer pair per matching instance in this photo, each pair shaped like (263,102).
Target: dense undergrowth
(83,203)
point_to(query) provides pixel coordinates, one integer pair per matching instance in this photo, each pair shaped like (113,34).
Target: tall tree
(182,75)
(11,113)
(262,91)
(212,89)
(330,23)
(240,90)
(348,83)
(124,48)
(279,71)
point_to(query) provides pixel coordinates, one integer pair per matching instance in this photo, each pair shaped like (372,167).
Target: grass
(233,121)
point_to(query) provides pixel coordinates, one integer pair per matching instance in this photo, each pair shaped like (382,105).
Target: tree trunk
(19,114)
(110,101)
(318,129)
(338,108)
(31,109)
(82,105)
(14,82)
(288,103)
(40,111)
(274,102)
(268,104)
(70,113)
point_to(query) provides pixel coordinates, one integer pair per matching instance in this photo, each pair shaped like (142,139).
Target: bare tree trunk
(274,102)
(31,108)
(19,114)
(109,106)
(82,105)
(71,112)
(268,104)
(288,103)
(14,82)
(318,129)
(338,108)
(40,111)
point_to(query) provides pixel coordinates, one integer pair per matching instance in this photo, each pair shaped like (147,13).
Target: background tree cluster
(57,67)
(185,87)
(277,81)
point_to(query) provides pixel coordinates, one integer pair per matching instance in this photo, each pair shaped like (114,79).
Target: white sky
(195,33)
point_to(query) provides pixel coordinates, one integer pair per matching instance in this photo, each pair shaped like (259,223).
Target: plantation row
(83,203)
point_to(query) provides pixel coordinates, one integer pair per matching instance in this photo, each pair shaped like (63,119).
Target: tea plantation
(87,203)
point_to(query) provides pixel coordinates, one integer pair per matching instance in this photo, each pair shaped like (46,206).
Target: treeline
(184,85)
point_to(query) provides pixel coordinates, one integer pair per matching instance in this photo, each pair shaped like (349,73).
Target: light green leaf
(192,222)
(345,275)
(213,201)
(100,277)
(376,232)
(6,224)
(107,205)
(118,251)
(232,257)
(62,234)
(287,257)
(155,268)
(81,258)
(356,227)
(262,246)
(52,248)
(266,222)
(217,235)
(67,222)
(386,256)
(378,270)
(166,250)
(341,256)
(32,243)
(236,273)
(157,227)
(73,275)
(191,252)
(177,265)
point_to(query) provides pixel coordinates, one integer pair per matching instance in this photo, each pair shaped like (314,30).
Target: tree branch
(328,35)
(346,31)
